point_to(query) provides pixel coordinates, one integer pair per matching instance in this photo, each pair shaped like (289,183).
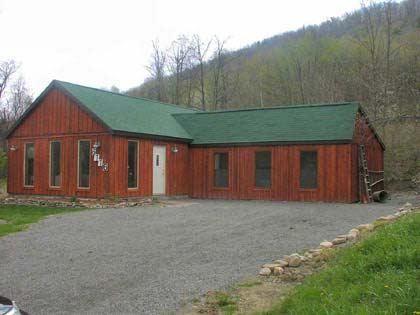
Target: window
(55,171)
(84,164)
(221,169)
(133,149)
(308,169)
(263,169)
(29,164)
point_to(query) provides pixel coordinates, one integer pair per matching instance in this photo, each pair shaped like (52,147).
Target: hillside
(371,55)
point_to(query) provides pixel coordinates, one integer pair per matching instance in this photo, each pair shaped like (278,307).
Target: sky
(101,43)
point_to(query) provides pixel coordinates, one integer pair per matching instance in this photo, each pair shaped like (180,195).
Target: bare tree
(370,40)
(218,66)
(19,99)
(178,55)
(157,70)
(200,53)
(7,69)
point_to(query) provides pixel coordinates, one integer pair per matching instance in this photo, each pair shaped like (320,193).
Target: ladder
(364,172)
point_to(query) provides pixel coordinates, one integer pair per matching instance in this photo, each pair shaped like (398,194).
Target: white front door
(159,163)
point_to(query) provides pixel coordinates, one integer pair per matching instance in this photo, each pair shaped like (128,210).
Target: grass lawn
(380,275)
(19,217)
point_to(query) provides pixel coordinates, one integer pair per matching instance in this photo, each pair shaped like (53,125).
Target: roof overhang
(149,136)
(271,143)
(368,122)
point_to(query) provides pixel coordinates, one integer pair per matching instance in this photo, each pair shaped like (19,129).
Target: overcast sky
(102,43)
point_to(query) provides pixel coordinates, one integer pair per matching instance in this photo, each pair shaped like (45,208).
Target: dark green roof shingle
(301,123)
(286,124)
(129,114)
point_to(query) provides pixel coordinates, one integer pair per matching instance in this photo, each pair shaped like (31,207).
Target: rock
(387,218)
(314,252)
(366,227)
(295,260)
(265,272)
(271,266)
(281,263)
(278,271)
(351,236)
(345,236)
(3,221)
(354,231)
(339,240)
(408,206)
(326,244)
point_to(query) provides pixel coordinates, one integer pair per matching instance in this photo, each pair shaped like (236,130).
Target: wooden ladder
(364,172)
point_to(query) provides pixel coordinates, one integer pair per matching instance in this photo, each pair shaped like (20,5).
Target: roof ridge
(125,95)
(270,108)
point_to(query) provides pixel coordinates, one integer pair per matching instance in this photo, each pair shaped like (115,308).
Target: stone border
(295,267)
(63,202)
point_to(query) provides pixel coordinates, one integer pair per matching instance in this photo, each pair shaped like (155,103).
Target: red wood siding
(69,152)
(57,114)
(56,118)
(177,168)
(374,154)
(334,173)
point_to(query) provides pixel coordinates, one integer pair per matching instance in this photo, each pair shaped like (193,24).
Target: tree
(157,70)
(200,54)
(7,69)
(18,100)
(218,68)
(178,56)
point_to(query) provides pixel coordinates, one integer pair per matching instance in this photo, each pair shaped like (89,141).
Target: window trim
(24,165)
(137,163)
(228,187)
(78,163)
(50,167)
(271,171)
(317,169)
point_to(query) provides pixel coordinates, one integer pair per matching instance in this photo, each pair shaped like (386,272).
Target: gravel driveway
(146,260)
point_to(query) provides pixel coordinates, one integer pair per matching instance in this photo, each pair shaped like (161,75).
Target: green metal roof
(301,123)
(129,114)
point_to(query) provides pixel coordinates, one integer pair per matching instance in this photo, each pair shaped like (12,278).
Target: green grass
(3,185)
(380,275)
(249,284)
(19,217)
(226,303)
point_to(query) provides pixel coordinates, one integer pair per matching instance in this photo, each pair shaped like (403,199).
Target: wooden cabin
(85,142)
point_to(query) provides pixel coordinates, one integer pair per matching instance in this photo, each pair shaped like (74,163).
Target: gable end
(55,112)
(44,97)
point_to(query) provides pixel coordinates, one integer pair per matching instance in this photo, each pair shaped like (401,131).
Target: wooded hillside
(371,56)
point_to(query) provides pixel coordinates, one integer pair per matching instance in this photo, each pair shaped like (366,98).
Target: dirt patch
(255,294)
(262,297)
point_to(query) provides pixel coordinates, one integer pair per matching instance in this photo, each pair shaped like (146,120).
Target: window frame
(137,164)
(317,170)
(24,165)
(50,165)
(271,170)
(78,164)
(228,170)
